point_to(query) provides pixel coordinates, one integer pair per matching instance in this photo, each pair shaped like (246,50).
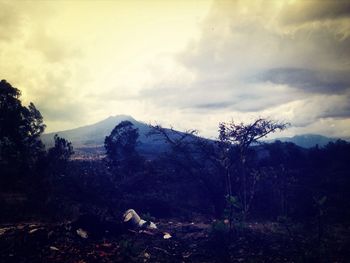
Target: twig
(163,250)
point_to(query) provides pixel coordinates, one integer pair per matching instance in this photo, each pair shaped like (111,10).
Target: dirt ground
(186,242)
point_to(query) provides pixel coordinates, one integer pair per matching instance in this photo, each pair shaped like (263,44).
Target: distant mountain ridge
(89,139)
(307,140)
(94,134)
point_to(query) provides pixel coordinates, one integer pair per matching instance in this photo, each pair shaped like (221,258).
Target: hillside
(308,140)
(88,140)
(94,134)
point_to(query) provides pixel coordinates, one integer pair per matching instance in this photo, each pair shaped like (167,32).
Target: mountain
(89,140)
(307,140)
(91,135)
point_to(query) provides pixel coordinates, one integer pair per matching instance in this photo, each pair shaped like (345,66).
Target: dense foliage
(27,171)
(120,145)
(20,130)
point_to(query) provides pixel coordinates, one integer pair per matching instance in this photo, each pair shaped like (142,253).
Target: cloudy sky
(189,64)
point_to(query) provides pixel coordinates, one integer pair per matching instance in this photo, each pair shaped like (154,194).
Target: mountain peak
(89,139)
(115,120)
(92,134)
(121,117)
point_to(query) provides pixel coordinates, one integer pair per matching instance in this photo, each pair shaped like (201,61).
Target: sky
(186,64)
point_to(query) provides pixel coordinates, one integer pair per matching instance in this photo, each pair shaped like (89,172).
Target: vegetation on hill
(247,200)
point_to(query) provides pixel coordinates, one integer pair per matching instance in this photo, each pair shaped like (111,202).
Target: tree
(56,167)
(20,130)
(237,138)
(120,146)
(62,150)
(196,157)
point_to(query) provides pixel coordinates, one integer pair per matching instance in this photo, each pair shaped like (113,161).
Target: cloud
(210,106)
(312,10)
(238,39)
(252,60)
(52,48)
(10,21)
(16,18)
(304,112)
(57,99)
(308,80)
(261,61)
(80,62)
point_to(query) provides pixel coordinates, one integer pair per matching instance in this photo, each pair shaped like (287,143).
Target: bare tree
(198,157)
(240,137)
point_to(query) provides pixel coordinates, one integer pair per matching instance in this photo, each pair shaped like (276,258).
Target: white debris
(54,248)
(152,225)
(131,216)
(141,222)
(82,233)
(166,235)
(3,230)
(33,230)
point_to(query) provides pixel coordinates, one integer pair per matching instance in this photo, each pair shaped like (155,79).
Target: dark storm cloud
(311,10)
(338,111)
(274,60)
(317,107)
(308,80)
(214,106)
(208,96)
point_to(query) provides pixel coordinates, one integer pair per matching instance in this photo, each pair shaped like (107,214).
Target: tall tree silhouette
(61,152)
(121,149)
(20,130)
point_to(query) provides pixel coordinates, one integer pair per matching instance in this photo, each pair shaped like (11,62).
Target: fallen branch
(165,251)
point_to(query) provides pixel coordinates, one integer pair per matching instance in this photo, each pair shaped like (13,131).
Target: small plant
(233,212)
(219,229)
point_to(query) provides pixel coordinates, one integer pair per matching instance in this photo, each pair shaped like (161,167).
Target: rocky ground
(174,241)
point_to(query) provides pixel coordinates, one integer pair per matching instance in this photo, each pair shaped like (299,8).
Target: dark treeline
(27,169)
(235,178)
(283,181)
(229,184)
